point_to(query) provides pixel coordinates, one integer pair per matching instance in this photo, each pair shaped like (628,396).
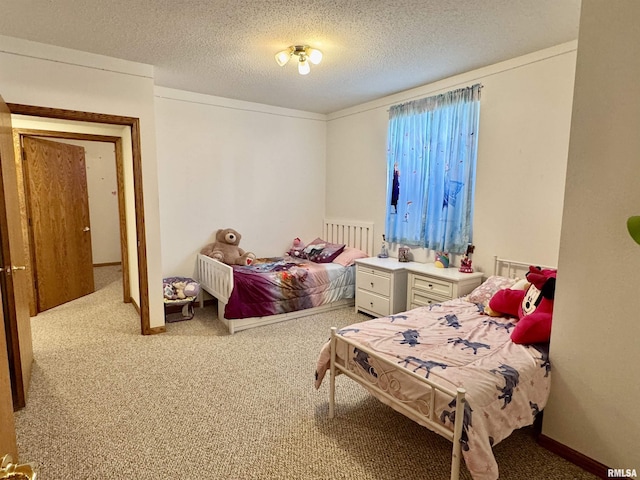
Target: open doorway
(131,124)
(105,234)
(19,349)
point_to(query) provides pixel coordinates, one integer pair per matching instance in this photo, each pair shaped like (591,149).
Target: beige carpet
(197,403)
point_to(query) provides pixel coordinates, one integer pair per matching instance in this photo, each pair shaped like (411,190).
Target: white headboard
(352,233)
(512,268)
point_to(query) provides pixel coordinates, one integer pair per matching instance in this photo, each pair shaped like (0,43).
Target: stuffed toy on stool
(533,307)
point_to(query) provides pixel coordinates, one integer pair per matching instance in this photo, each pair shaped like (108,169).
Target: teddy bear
(533,307)
(225,249)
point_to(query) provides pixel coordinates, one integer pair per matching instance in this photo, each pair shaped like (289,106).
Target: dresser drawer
(374,281)
(432,285)
(421,299)
(372,303)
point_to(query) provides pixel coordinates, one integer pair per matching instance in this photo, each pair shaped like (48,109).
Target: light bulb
(303,67)
(283,57)
(315,56)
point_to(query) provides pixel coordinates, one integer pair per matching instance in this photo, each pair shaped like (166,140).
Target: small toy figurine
(384,251)
(465,262)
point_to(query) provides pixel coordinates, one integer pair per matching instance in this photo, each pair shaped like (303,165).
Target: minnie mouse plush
(533,307)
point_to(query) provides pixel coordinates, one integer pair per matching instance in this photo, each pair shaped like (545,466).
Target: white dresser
(381,286)
(429,284)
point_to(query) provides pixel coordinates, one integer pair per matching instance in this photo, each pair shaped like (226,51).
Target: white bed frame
(216,278)
(425,415)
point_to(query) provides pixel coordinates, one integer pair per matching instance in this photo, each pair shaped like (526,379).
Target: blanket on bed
(278,285)
(454,345)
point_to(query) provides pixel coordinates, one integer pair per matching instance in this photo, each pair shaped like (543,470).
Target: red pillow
(532,329)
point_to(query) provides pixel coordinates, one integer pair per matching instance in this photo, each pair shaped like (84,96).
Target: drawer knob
(371,303)
(372,284)
(430,285)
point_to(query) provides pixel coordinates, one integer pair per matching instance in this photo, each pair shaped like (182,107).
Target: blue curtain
(431,164)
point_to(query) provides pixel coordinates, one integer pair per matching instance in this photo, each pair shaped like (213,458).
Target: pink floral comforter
(455,345)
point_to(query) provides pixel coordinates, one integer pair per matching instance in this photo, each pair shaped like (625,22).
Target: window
(431,164)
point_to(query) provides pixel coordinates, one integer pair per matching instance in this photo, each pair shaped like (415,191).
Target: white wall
(595,351)
(102,184)
(47,76)
(230,164)
(523,140)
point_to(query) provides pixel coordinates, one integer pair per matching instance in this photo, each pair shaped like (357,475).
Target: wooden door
(58,209)
(13,278)
(7,423)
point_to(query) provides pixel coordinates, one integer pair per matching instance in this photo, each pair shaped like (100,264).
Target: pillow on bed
(320,251)
(349,256)
(483,293)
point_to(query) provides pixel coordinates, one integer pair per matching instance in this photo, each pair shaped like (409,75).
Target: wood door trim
(19,133)
(134,124)
(10,316)
(11,329)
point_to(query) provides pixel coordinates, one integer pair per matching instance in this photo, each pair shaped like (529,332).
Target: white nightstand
(381,286)
(429,284)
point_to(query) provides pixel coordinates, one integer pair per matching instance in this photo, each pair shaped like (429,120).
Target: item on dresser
(465,262)
(381,286)
(288,282)
(384,251)
(404,254)
(448,367)
(442,260)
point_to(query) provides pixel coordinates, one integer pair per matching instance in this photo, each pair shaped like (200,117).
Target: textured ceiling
(226,48)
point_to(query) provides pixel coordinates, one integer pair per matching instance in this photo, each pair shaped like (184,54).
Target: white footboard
(425,414)
(215,277)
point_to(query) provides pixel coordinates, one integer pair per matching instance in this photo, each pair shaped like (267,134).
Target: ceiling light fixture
(305,55)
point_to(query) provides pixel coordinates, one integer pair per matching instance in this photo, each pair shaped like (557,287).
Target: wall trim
(575,457)
(68,56)
(457,81)
(167,93)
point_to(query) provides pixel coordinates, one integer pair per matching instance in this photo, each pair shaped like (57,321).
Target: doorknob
(22,267)
(86,229)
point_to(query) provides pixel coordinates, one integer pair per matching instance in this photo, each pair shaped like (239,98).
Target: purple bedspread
(273,286)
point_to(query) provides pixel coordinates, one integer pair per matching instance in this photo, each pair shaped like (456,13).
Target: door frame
(134,124)
(18,135)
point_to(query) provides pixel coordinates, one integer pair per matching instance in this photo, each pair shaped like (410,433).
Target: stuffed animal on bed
(225,249)
(533,307)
